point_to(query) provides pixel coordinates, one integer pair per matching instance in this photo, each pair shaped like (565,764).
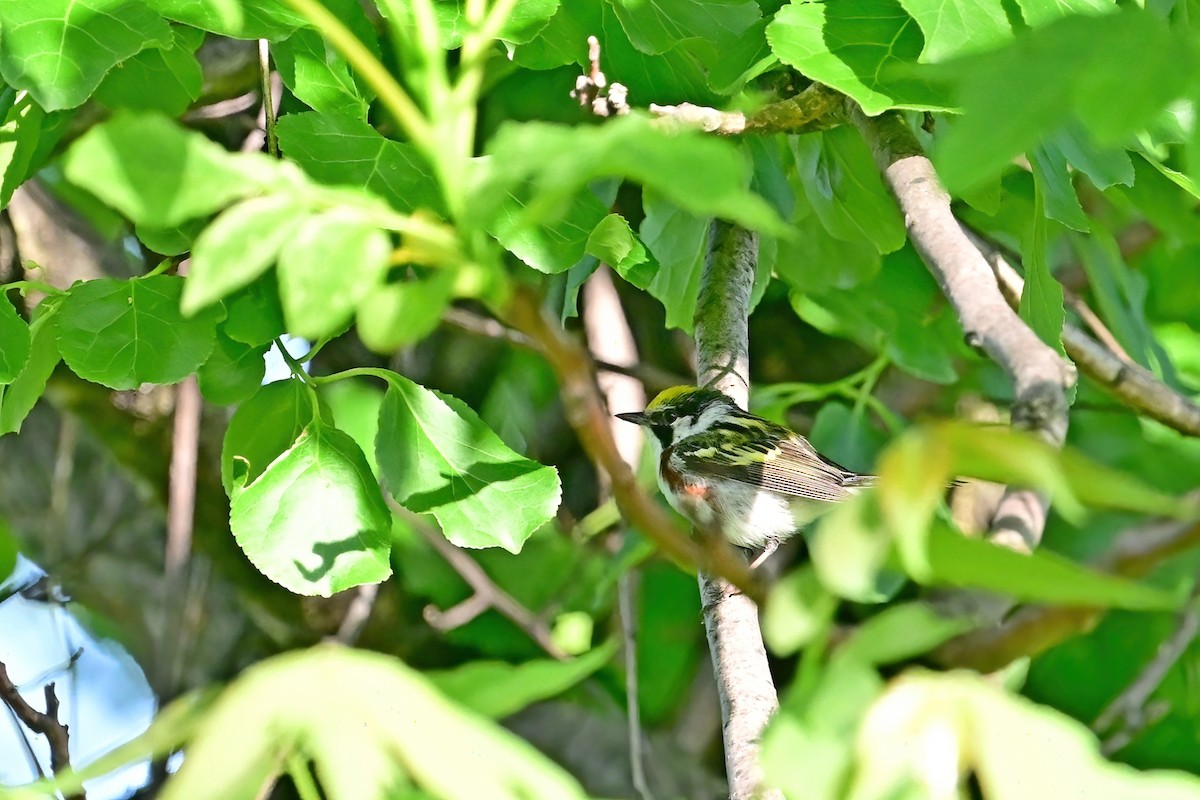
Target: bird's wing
(773,457)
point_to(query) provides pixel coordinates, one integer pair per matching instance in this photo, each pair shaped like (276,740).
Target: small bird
(726,470)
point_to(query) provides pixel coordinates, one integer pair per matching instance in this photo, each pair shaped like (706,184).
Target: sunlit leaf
(374,727)
(856,47)
(126,333)
(60,49)
(958,723)
(437,457)
(496,690)
(314,520)
(241,244)
(158,174)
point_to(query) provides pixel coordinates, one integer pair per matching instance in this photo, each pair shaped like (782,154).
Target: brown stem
(47,724)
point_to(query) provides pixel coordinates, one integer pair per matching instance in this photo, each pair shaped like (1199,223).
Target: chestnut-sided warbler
(753,481)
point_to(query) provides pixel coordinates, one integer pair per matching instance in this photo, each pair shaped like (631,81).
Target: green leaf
(59,50)
(233,372)
(856,47)
(1042,12)
(1056,189)
(988,730)
(1120,294)
(1042,298)
(1042,576)
(438,457)
(1064,74)
(255,315)
(400,730)
(240,245)
(808,747)
(656,28)
(902,633)
(1104,166)
(338,149)
(15,342)
(496,690)
(125,333)
(614,242)
(401,313)
(556,246)
(263,428)
(699,174)
(241,19)
(314,521)
(319,76)
(20,132)
(844,188)
(799,611)
(957,27)
(157,79)
(813,261)
(849,549)
(679,241)
(18,398)
(171,241)
(317,299)
(900,312)
(158,174)
(522,24)
(354,408)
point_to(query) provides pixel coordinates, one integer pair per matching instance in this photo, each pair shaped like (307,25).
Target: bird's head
(680,412)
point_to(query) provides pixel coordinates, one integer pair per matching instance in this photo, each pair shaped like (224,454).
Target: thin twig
(743,675)
(1040,377)
(627,586)
(47,724)
(1128,714)
(486,594)
(268,104)
(588,416)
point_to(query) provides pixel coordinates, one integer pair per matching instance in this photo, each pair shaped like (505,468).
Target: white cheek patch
(688,426)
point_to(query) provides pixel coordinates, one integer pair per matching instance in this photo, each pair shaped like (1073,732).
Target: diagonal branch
(1129,382)
(587,415)
(1040,378)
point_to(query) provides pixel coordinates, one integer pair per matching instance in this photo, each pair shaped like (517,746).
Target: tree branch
(485,593)
(1129,382)
(47,724)
(1128,713)
(744,683)
(817,108)
(1040,378)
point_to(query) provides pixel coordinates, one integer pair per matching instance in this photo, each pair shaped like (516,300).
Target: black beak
(636,417)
